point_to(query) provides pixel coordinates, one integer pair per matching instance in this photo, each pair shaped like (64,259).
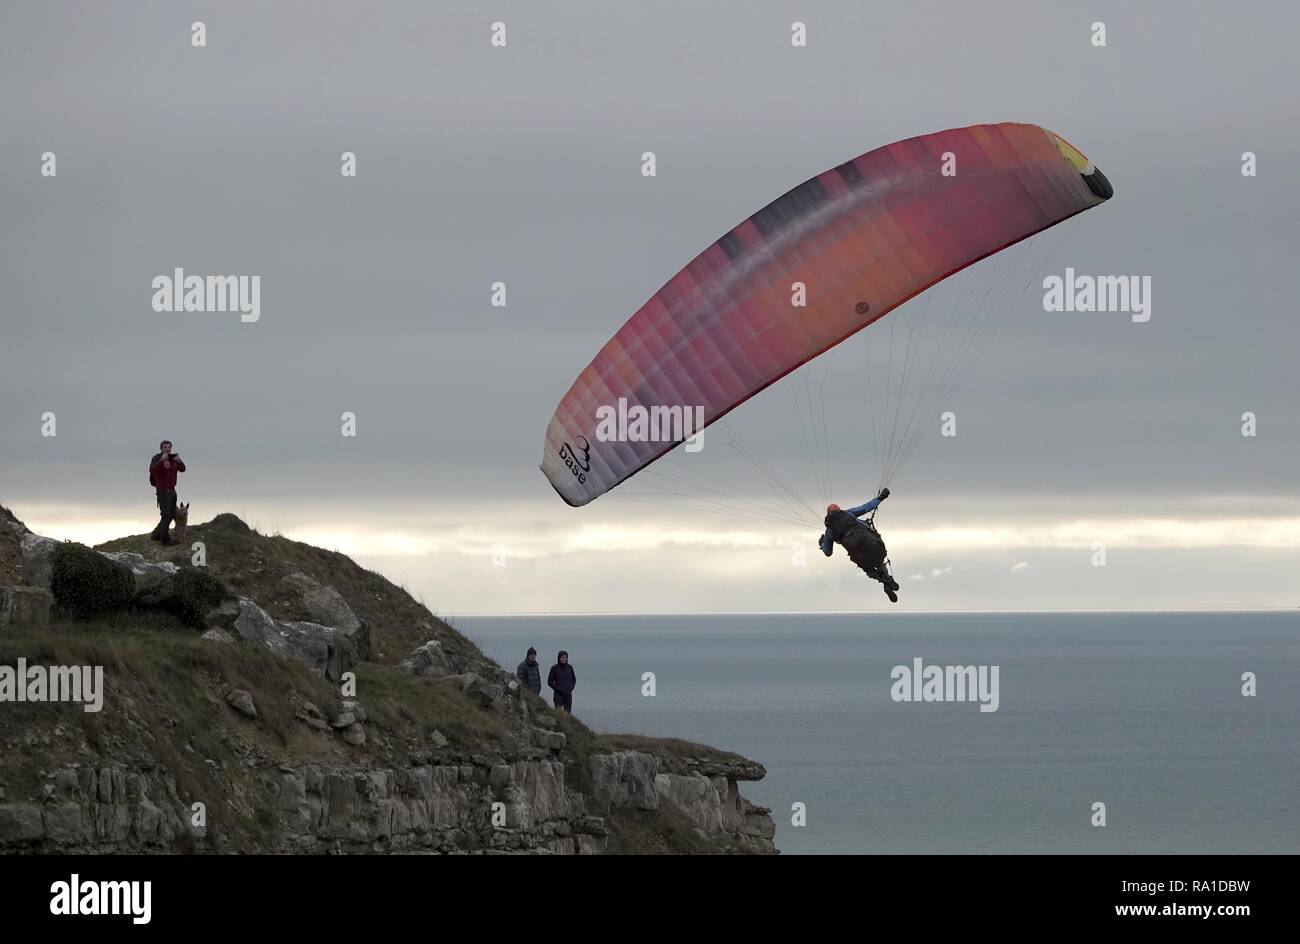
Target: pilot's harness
(870,522)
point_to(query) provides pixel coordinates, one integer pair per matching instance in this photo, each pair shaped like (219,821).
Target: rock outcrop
(38,559)
(642,781)
(86,809)
(428,660)
(715,805)
(329,650)
(326,606)
(147,574)
(25,606)
(625,779)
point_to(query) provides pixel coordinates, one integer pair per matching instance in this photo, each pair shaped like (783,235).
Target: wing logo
(579,467)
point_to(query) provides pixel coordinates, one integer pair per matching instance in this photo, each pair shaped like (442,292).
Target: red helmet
(832,507)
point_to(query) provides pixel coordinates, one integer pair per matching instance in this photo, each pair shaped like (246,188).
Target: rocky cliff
(304,704)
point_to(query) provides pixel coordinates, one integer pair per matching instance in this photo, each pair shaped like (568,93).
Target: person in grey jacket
(530,673)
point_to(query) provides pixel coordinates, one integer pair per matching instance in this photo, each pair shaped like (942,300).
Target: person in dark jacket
(530,673)
(163,469)
(562,681)
(861,540)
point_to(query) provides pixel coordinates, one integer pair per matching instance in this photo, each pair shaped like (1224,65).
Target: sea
(1113,732)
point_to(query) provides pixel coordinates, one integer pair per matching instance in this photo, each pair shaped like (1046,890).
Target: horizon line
(1190,609)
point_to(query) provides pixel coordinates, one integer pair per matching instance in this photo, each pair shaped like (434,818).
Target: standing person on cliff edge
(562,681)
(163,469)
(530,673)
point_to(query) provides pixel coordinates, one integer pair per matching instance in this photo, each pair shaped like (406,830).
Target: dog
(181,519)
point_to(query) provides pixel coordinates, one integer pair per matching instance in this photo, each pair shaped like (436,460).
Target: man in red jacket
(163,469)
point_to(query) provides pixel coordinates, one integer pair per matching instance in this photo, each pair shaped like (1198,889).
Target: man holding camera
(163,469)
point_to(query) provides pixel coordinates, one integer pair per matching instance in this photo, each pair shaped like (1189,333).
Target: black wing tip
(1099,184)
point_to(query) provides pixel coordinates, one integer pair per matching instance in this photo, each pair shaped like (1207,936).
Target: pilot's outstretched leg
(881,573)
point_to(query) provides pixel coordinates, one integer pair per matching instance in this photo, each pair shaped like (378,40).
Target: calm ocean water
(1142,712)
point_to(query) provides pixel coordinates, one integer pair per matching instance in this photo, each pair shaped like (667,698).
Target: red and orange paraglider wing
(863,237)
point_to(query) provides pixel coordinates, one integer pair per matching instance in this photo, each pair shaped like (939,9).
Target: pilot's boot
(890,584)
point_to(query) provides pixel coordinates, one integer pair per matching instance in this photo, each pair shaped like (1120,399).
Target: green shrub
(189,594)
(86,584)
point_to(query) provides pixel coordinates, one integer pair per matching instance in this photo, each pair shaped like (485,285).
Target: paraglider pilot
(860,540)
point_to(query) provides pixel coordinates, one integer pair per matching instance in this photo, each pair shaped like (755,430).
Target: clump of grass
(86,584)
(189,594)
(394,699)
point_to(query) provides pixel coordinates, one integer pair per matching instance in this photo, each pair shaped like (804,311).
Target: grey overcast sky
(522,164)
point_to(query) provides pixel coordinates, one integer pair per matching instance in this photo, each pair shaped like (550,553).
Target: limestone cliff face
(315,809)
(211,738)
(361,809)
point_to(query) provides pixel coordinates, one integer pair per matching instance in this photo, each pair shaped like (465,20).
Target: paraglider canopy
(863,237)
